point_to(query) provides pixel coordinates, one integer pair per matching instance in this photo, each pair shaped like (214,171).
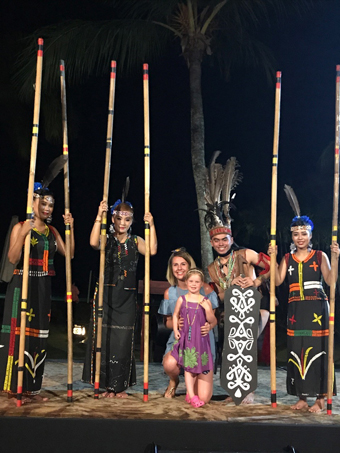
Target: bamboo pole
(68,256)
(104,224)
(29,212)
(273,240)
(334,258)
(147,228)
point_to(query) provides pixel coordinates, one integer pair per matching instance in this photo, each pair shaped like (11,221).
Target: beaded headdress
(220,181)
(299,222)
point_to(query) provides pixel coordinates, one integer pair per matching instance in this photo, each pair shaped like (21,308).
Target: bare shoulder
(207,288)
(166,294)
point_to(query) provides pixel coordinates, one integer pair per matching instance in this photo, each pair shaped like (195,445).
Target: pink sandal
(196,402)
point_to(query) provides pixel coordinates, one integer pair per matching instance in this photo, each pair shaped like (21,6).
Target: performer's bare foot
(301,404)
(108,395)
(121,395)
(170,392)
(228,400)
(318,406)
(30,399)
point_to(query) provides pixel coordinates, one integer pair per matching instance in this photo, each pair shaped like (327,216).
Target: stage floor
(133,407)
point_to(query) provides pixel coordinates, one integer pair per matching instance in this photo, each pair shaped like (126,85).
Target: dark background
(239,120)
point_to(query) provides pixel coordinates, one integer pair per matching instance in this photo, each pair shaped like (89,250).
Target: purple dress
(192,351)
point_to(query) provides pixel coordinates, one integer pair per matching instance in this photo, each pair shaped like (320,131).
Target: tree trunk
(197,151)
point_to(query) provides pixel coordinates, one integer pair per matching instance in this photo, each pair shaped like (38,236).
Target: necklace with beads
(122,272)
(225,279)
(190,324)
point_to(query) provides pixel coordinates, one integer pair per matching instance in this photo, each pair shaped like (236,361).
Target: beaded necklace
(225,279)
(193,320)
(122,272)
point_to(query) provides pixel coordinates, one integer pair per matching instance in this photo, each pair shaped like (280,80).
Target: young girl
(192,350)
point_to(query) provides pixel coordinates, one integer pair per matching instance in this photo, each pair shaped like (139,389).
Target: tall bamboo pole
(273,240)
(334,258)
(147,228)
(104,224)
(68,256)
(29,211)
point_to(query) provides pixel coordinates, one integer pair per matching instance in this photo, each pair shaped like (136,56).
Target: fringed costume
(308,316)
(43,248)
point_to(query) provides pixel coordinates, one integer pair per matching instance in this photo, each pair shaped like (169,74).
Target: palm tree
(138,31)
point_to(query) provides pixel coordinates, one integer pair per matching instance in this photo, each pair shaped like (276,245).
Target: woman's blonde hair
(193,271)
(182,253)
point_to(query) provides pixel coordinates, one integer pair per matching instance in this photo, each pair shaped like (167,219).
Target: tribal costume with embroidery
(308,316)
(118,370)
(42,251)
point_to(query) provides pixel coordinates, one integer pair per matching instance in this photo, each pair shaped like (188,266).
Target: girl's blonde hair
(194,271)
(182,253)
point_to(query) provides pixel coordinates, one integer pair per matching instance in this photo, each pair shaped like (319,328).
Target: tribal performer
(118,371)
(45,241)
(308,311)
(234,265)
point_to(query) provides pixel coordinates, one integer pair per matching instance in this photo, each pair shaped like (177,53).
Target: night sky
(239,119)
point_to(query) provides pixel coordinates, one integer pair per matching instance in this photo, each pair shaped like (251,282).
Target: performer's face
(194,283)
(180,267)
(122,222)
(43,207)
(301,238)
(221,243)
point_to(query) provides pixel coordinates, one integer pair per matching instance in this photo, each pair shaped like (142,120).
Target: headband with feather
(220,181)
(299,222)
(118,202)
(41,189)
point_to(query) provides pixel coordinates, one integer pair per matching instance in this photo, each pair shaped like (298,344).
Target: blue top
(167,308)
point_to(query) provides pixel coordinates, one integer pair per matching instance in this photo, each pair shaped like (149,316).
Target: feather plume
(212,174)
(126,189)
(54,168)
(231,178)
(293,201)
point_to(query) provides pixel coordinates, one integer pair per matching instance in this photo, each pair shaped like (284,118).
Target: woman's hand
(148,218)
(26,227)
(205,329)
(270,250)
(103,207)
(335,249)
(68,219)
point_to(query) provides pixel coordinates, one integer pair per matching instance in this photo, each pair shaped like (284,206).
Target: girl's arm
(325,266)
(209,313)
(17,240)
(95,233)
(153,237)
(175,317)
(280,271)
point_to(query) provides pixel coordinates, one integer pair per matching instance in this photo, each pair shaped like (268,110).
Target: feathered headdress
(41,189)
(220,181)
(299,222)
(125,192)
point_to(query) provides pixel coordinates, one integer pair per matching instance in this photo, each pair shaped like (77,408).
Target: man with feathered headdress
(233,265)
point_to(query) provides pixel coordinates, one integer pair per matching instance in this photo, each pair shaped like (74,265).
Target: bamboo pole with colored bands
(334,258)
(273,240)
(103,226)
(29,212)
(68,257)
(147,228)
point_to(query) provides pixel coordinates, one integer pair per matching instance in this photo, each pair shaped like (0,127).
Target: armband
(263,258)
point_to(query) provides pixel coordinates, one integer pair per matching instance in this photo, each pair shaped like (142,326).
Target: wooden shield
(239,357)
